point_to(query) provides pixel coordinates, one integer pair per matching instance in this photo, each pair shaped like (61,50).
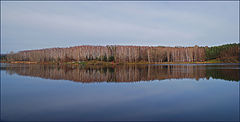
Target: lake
(122,92)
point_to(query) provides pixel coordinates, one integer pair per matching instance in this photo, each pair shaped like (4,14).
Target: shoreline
(112,63)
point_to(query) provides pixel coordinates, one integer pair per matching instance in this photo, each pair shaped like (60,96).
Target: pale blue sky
(36,25)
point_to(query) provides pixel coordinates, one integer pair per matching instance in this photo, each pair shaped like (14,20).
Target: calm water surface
(128,92)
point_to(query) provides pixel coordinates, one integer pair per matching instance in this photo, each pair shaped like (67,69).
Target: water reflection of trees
(125,73)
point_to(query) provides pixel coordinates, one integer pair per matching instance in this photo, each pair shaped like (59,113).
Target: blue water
(35,98)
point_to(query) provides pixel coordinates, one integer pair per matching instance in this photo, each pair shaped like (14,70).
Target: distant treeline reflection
(124,73)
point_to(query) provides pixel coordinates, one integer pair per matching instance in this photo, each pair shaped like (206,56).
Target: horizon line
(116,45)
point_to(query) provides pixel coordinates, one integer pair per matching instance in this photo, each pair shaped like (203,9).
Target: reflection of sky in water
(32,98)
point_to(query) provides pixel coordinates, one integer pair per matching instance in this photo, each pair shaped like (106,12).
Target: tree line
(125,54)
(224,52)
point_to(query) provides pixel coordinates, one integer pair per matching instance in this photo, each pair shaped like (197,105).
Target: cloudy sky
(36,25)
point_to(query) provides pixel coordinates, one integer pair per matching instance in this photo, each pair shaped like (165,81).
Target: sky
(37,25)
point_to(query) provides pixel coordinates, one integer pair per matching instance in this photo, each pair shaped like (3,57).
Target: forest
(128,54)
